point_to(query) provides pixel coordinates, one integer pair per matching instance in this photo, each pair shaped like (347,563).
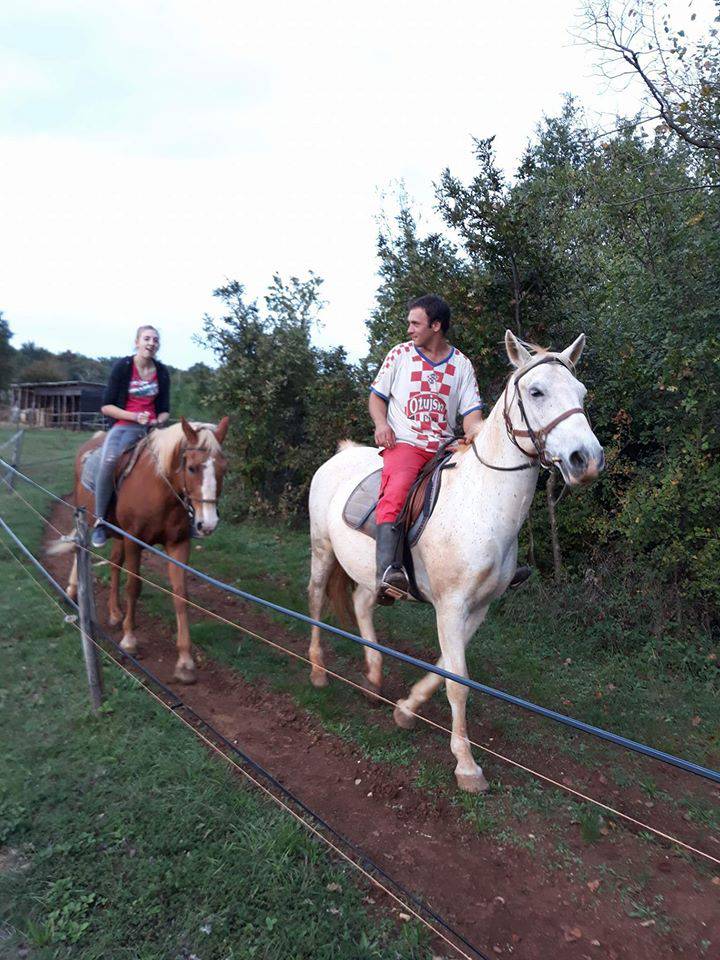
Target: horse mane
(164,444)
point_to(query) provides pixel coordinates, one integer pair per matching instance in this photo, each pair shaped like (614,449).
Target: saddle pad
(126,461)
(90,469)
(359,510)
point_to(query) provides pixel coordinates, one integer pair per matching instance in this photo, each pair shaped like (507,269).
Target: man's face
(419,329)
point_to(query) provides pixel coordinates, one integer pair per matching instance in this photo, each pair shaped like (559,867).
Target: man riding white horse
(421,388)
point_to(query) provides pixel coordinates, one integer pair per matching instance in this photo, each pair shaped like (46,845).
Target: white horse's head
(544,411)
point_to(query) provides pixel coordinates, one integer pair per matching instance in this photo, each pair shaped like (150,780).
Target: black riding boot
(391,577)
(520,576)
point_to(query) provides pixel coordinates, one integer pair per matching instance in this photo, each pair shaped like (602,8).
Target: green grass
(120,837)
(533,645)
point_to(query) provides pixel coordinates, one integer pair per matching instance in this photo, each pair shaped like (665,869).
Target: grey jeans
(116,443)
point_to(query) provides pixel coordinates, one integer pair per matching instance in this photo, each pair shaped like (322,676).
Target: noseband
(538,437)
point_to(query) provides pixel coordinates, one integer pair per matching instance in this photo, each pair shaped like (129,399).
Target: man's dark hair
(435,307)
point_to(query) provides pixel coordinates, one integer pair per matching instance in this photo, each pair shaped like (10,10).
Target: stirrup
(99,537)
(389,592)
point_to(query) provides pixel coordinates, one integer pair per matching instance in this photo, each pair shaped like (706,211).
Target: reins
(539,436)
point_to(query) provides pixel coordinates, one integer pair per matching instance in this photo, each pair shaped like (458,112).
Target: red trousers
(401,465)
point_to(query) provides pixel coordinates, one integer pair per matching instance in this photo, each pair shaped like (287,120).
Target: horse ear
(517,354)
(222,429)
(572,354)
(189,431)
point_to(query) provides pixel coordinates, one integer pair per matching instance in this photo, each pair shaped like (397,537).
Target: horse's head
(544,411)
(202,468)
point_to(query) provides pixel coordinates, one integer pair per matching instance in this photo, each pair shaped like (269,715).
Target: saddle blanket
(90,469)
(359,510)
(126,462)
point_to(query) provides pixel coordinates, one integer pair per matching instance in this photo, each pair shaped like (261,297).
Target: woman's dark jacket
(116,391)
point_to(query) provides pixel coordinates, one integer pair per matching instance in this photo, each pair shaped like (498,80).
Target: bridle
(186,499)
(538,437)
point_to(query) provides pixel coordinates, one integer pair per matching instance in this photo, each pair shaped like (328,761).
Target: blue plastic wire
(643,749)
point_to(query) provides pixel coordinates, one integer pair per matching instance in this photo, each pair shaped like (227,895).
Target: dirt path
(506,900)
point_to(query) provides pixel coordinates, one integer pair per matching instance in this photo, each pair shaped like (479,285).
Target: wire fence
(231,752)
(617,739)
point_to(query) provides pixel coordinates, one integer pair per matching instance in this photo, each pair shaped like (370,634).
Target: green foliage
(290,401)
(6,354)
(618,236)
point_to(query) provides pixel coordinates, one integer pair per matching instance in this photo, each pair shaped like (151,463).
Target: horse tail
(63,545)
(338,594)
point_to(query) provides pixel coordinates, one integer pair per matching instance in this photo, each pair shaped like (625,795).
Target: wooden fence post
(86,603)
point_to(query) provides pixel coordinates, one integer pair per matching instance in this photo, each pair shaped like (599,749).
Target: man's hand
(385,437)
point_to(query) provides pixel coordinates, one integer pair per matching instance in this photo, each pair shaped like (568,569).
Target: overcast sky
(149,151)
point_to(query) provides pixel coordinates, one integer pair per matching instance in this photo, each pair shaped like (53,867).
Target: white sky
(151,150)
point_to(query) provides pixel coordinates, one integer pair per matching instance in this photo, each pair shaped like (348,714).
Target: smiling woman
(137,397)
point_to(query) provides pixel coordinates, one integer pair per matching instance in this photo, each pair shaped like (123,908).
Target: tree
(7,354)
(289,401)
(679,73)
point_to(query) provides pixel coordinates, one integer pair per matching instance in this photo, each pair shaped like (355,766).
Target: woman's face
(147,343)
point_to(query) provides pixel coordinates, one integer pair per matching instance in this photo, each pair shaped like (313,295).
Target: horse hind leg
(364,603)
(322,563)
(405,711)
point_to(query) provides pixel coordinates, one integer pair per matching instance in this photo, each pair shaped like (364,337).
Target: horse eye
(192,469)
(535,392)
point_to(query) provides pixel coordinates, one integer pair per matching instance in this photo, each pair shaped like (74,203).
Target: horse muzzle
(582,466)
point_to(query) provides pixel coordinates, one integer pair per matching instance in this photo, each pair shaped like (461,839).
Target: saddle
(126,461)
(359,510)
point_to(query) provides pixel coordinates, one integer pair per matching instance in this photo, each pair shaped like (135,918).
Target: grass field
(541,644)
(119,836)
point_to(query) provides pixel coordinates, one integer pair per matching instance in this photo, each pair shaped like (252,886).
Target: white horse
(467,554)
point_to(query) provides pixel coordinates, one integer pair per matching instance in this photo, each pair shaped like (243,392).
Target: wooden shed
(73,404)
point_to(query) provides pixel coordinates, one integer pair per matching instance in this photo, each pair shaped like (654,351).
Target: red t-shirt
(142,393)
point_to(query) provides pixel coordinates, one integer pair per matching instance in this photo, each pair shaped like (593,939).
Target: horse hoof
(472,782)
(129,645)
(114,620)
(185,675)
(371,691)
(403,719)
(318,677)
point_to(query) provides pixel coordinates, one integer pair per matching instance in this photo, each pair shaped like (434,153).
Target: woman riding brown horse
(169,495)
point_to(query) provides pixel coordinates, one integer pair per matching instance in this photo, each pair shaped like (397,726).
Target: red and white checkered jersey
(424,398)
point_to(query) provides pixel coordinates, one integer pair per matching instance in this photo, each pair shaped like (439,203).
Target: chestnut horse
(174,486)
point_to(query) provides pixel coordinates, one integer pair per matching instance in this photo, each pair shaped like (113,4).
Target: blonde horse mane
(164,444)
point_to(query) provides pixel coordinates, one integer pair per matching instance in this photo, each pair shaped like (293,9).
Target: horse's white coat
(467,555)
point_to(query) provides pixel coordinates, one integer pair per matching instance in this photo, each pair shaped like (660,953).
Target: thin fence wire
(177,705)
(483,747)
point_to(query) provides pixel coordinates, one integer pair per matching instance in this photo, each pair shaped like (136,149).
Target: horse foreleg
(132,592)
(72,587)
(185,670)
(364,602)
(455,627)
(321,564)
(116,561)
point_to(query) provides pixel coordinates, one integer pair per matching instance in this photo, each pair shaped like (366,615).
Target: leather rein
(538,437)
